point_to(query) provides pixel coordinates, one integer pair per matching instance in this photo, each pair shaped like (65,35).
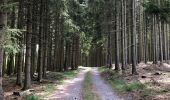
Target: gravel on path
(72,90)
(102,88)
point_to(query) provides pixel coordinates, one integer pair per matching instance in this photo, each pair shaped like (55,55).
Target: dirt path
(102,88)
(72,89)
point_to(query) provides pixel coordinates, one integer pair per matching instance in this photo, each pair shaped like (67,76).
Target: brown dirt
(155,77)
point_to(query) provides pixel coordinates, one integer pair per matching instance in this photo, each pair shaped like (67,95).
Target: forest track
(73,88)
(102,88)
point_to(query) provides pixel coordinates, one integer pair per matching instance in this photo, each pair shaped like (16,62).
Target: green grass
(103,68)
(117,84)
(49,88)
(134,86)
(122,86)
(116,81)
(88,93)
(70,74)
(32,97)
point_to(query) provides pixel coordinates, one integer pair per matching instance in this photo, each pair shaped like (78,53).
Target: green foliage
(162,10)
(10,42)
(32,97)
(8,6)
(86,46)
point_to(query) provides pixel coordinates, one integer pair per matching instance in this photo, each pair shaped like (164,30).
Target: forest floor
(38,90)
(152,83)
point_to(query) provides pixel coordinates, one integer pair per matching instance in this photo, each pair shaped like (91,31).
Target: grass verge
(118,83)
(88,92)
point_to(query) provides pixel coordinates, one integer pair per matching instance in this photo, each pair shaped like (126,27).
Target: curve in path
(103,90)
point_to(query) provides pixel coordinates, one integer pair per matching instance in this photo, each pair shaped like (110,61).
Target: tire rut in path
(103,90)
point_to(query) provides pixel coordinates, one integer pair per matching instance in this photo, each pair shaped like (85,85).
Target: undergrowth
(32,97)
(115,79)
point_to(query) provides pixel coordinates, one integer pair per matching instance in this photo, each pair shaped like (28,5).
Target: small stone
(143,76)
(157,73)
(16,93)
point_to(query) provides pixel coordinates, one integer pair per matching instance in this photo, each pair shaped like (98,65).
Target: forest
(103,49)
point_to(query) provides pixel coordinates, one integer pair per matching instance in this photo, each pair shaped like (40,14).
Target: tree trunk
(27,82)
(117,38)
(40,52)
(20,53)
(3,24)
(133,51)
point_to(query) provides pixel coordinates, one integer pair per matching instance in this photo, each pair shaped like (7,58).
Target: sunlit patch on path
(102,88)
(72,89)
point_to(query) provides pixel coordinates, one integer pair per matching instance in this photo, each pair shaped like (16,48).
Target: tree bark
(27,82)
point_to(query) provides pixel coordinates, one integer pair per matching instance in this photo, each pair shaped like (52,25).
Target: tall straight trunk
(167,33)
(125,32)
(56,41)
(77,56)
(46,39)
(4,64)
(164,40)
(122,35)
(13,20)
(146,39)
(20,54)
(27,82)
(10,65)
(141,35)
(160,41)
(50,43)
(61,55)
(34,37)
(3,24)
(108,18)
(73,54)
(116,37)
(129,35)
(40,52)
(109,55)
(133,51)
(155,40)
(66,57)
